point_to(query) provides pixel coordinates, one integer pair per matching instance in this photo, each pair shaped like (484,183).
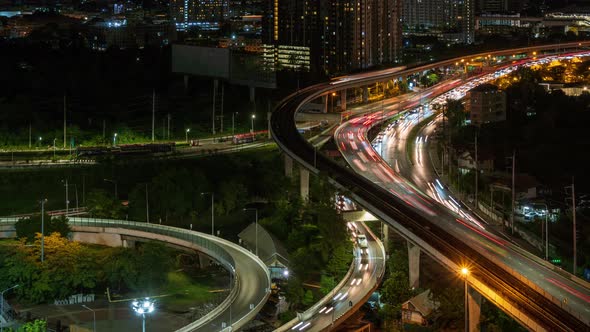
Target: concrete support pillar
(268,116)
(385,239)
(252,94)
(288,167)
(128,243)
(204,260)
(304,183)
(343,100)
(473,309)
(414,264)
(325,101)
(365,94)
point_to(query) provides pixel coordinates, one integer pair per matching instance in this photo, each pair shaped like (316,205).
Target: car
(362,241)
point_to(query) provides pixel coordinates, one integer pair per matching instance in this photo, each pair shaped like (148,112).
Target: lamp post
(40,139)
(256,224)
(253,117)
(114,182)
(65,182)
(142,307)
(464,273)
(2,302)
(93,318)
(55,139)
(186,132)
(212,210)
(43,201)
(115,139)
(546,231)
(233,122)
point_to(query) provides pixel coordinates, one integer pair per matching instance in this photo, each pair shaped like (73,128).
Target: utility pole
(222,94)
(575,233)
(476,171)
(215,83)
(42,230)
(67,198)
(30,134)
(574,220)
(153,114)
(147,205)
(169,118)
(513,190)
(65,121)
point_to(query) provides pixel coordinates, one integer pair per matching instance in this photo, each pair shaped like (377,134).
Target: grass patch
(186,291)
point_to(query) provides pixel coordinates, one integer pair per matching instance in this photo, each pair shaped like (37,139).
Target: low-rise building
(417,309)
(486,103)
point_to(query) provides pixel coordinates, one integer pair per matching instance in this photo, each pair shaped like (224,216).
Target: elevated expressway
(250,277)
(363,277)
(529,291)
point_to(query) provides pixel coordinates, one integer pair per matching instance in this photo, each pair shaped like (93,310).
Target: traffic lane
(366,271)
(482,241)
(251,291)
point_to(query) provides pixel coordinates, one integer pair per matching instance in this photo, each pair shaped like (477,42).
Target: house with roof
(416,309)
(270,249)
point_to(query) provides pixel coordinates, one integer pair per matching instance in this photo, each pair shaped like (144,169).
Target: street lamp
(465,273)
(115,139)
(2,302)
(212,210)
(256,230)
(43,201)
(115,183)
(40,139)
(546,231)
(93,317)
(233,127)
(253,117)
(142,307)
(187,131)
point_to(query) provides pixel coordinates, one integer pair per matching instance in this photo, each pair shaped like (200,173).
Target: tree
(327,284)
(396,290)
(450,310)
(121,269)
(100,204)
(294,293)
(38,325)
(307,298)
(29,227)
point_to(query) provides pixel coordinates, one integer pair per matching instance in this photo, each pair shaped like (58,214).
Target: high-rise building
(205,14)
(442,16)
(342,35)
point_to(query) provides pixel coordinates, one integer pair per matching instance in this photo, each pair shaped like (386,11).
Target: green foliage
(327,284)
(308,299)
(68,268)
(286,316)
(29,227)
(101,204)
(450,310)
(294,293)
(38,325)
(396,290)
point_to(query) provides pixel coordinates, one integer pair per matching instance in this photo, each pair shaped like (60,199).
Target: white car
(362,241)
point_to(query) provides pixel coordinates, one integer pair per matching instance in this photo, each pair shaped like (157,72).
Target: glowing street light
(115,139)
(253,117)
(464,271)
(187,131)
(142,307)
